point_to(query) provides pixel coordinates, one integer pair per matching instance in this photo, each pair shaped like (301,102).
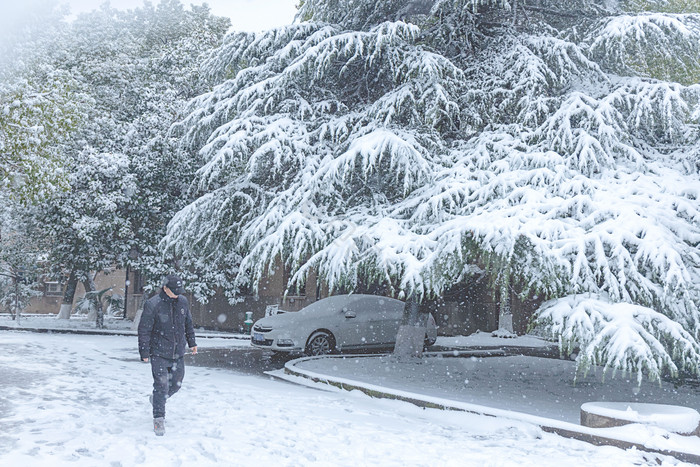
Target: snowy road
(241,359)
(81,400)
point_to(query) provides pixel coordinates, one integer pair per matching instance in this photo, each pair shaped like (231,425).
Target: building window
(53,289)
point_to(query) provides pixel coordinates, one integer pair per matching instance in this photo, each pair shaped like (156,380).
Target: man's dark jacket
(166,329)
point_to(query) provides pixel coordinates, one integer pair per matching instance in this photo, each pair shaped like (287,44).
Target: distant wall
(50,302)
(464,309)
(219,314)
(470,307)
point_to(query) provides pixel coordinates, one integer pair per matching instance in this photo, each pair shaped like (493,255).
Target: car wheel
(320,343)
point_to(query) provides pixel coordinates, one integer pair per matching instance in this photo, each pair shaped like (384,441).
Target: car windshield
(339,303)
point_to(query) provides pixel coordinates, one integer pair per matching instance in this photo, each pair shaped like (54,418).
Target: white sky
(246,15)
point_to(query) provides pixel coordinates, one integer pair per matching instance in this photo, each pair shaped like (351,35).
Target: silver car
(337,323)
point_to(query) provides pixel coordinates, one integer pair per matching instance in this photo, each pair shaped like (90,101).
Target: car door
(385,316)
(352,325)
(373,322)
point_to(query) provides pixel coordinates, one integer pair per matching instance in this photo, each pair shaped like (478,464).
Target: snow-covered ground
(81,400)
(487,339)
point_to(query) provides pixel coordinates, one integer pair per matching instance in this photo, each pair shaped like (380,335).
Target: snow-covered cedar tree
(553,144)
(621,336)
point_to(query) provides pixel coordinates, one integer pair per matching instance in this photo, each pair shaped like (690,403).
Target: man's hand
(145,359)
(194,350)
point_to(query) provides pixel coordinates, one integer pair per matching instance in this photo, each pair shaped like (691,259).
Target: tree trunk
(126,290)
(100,319)
(410,339)
(505,316)
(89,284)
(68,296)
(12,306)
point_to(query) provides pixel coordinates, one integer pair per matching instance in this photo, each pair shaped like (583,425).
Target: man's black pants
(167,379)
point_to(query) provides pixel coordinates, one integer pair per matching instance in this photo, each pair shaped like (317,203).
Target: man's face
(169,292)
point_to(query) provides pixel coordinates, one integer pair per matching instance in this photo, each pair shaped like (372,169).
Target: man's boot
(159,426)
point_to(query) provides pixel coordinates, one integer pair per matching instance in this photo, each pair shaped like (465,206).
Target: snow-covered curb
(645,437)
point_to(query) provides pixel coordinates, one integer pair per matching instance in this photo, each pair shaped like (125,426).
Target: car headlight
(285,343)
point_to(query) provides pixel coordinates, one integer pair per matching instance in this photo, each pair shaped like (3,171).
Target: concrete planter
(674,418)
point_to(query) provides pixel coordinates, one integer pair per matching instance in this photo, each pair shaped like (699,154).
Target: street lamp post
(126,290)
(16,316)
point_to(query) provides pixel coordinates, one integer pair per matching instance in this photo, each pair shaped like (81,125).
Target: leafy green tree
(86,227)
(37,116)
(20,255)
(39,105)
(120,181)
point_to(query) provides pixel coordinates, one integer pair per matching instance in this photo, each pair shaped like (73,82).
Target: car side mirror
(350,314)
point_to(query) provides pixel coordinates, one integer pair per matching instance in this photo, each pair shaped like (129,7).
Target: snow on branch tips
(366,154)
(656,111)
(589,132)
(474,5)
(654,45)
(619,337)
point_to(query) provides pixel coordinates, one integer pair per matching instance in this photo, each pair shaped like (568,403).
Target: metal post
(17,299)
(126,290)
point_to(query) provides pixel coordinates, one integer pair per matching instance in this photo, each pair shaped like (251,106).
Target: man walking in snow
(164,330)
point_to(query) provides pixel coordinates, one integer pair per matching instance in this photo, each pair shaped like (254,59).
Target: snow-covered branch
(620,337)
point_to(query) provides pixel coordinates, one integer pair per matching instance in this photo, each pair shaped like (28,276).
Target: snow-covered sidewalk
(81,400)
(76,322)
(488,340)
(80,324)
